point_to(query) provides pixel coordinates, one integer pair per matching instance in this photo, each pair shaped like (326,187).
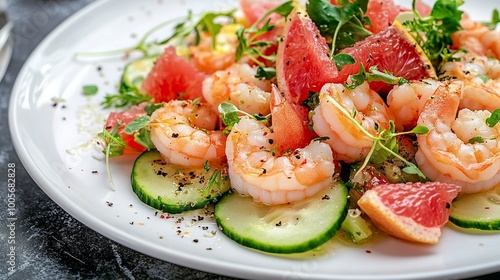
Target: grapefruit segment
(124,118)
(302,61)
(173,77)
(393,50)
(290,128)
(413,211)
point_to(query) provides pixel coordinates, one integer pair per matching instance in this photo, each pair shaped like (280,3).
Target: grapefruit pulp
(173,77)
(412,211)
(302,61)
(393,50)
(290,129)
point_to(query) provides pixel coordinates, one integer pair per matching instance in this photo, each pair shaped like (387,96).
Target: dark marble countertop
(51,244)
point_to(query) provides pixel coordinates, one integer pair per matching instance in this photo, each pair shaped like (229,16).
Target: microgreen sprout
(114,147)
(384,145)
(251,46)
(230,115)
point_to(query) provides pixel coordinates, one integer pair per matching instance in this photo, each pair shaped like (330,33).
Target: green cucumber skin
(173,205)
(477,211)
(126,84)
(305,245)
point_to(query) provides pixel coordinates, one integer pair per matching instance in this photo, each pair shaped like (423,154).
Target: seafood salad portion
(301,122)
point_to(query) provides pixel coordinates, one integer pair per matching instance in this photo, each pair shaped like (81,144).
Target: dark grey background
(50,243)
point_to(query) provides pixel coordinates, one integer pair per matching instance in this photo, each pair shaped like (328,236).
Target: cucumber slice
(175,189)
(284,229)
(135,72)
(479,211)
(356,228)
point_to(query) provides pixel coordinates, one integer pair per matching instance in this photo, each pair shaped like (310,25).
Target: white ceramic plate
(44,134)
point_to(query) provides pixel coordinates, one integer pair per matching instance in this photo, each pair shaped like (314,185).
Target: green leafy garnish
(114,147)
(373,75)
(152,107)
(343,25)
(206,23)
(266,73)
(343,59)
(230,115)
(89,90)
(477,139)
(433,33)
(492,120)
(143,137)
(252,47)
(136,124)
(483,77)
(125,99)
(495,19)
(384,145)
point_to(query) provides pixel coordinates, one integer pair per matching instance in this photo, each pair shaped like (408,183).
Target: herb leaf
(266,73)
(343,25)
(343,59)
(89,90)
(477,139)
(125,99)
(205,23)
(433,33)
(372,76)
(136,124)
(230,115)
(252,47)
(492,120)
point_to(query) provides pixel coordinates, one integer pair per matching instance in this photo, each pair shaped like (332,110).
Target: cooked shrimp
(255,170)
(238,85)
(208,59)
(481,77)
(448,152)
(407,100)
(345,138)
(477,39)
(184,133)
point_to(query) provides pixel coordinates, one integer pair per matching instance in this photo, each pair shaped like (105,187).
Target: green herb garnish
(373,75)
(230,115)
(89,90)
(114,147)
(433,33)
(343,25)
(492,120)
(125,99)
(252,47)
(207,22)
(384,145)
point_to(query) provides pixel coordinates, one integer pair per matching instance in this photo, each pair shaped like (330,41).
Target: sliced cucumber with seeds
(284,229)
(175,189)
(479,211)
(135,72)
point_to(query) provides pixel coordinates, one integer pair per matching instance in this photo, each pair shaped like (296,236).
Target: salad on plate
(296,123)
